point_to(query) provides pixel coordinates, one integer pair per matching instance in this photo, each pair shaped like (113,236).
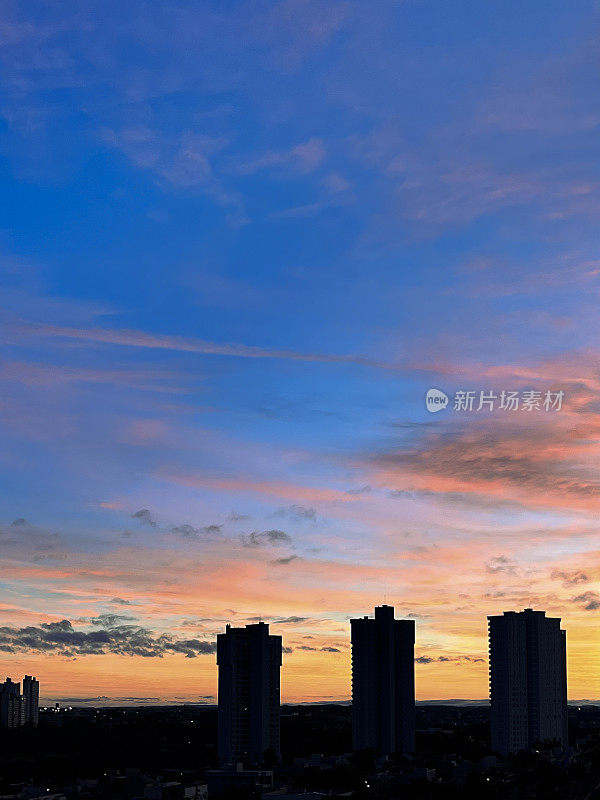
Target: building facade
(249,662)
(12,705)
(31,693)
(383,683)
(528,680)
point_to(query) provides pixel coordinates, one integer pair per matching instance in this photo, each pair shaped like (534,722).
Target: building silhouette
(31,693)
(16,708)
(528,680)
(249,662)
(383,683)
(12,705)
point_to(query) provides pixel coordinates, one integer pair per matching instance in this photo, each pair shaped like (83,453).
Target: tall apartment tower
(383,683)
(31,693)
(249,662)
(528,680)
(12,705)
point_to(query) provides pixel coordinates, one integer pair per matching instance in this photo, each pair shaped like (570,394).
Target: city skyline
(365,633)
(242,244)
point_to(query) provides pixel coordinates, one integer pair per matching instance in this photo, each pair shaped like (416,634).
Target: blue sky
(239,242)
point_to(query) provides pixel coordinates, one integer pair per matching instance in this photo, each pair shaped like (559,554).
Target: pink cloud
(287,491)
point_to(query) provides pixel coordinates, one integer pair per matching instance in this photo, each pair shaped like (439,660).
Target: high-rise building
(249,662)
(383,683)
(31,693)
(12,705)
(18,709)
(528,680)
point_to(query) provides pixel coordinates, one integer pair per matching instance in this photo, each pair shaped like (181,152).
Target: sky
(239,243)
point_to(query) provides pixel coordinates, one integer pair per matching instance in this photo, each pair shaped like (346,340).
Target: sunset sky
(239,242)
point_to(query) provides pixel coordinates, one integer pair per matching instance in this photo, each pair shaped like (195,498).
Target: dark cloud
(185,530)
(21,522)
(138,699)
(502,564)
(306,647)
(145,517)
(110,620)
(131,640)
(290,620)
(444,659)
(234,517)
(570,578)
(119,601)
(287,650)
(198,623)
(360,490)
(330,650)
(589,600)
(197,533)
(285,560)
(102,698)
(272,537)
(297,512)
(64,626)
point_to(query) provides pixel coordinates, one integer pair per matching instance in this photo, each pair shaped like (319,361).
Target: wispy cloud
(536,465)
(301,158)
(141,339)
(572,578)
